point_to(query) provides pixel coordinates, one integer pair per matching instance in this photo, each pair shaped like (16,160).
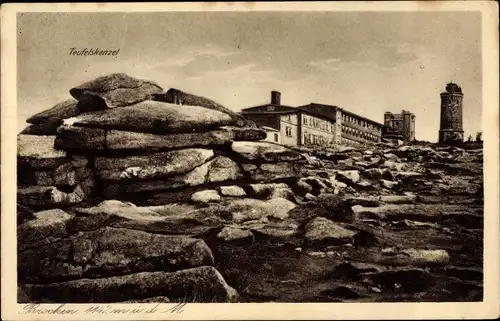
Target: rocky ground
(188,205)
(404,229)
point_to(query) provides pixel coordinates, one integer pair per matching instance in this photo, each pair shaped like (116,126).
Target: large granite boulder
(273,171)
(177,218)
(154,117)
(321,231)
(46,227)
(202,283)
(96,139)
(40,129)
(38,152)
(152,166)
(114,90)
(219,169)
(223,169)
(65,175)
(53,197)
(241,210)
(55,115)
(176,96)
(264,152)
(109,252)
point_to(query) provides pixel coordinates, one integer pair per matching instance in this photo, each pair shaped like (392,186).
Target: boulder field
(127,193)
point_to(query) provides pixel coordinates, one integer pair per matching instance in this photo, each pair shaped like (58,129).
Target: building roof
(278,110)
(319,110)
(361,117)
(327,111)
(269,129)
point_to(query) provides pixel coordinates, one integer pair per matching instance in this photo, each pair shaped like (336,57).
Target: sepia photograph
(175,157)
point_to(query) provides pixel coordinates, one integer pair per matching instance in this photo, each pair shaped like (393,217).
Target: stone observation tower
(450,129)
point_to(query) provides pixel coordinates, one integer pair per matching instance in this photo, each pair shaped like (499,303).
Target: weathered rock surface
(271,172)
(154,117)
(202,283)
(264,152)
(50,196)
(153,166)
(321,231)
(38,152)
(217,170)
(65,175)
(165,219)
(246,209)
(229,234)
(233,190)
(206,196)
(330,206)
(176,96)
(46,227)
(109,252)
(223,169)
(114,90)
(48,129)
(55,115)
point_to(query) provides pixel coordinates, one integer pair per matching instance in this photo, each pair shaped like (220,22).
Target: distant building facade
(450,129)
(313,124)
(399,126)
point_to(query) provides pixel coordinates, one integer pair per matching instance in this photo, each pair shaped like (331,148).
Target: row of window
(317,123)
(311,139)
(357,121)
(359,133)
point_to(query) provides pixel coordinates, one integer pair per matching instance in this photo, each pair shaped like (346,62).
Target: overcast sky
(365,62)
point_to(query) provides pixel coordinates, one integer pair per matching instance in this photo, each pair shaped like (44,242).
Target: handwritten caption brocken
(108,309)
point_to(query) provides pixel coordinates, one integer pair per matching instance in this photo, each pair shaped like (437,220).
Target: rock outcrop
(131,194)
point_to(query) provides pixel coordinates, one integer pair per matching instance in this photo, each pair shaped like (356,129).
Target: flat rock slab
(48,129)
(122,140)
(153,166)
(246,133)
(461,215)
(164,219)
(46,227)
(233,190)
(264,190)
(206,196)
(154,117)
(240,210)
(273,171)
(321,231)
(176,96)
(80,138)
(219,169)
(38,152)
(410,256)
(229,234)
(114,90)
(52,197)
(264,152)
(152,159)
(203,284)
(109,252)
(98,139)
(56,114)
(65,175)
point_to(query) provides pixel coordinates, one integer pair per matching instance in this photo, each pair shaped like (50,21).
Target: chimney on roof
(275,97)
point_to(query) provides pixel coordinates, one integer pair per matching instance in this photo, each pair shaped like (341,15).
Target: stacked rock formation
(138,139)
(168,196)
